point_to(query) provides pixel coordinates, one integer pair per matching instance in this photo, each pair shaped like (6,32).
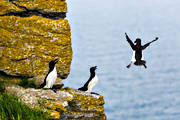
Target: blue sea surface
(98,28)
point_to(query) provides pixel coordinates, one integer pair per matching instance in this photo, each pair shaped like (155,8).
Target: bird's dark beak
(55,61)
(135,41)
(95,67)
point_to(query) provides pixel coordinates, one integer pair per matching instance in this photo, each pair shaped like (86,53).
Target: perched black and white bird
(137,57)
(88,86)
(51,77)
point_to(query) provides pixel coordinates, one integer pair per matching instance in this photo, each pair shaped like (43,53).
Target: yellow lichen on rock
(58,106)
(88,104)
(29,43)
(66,103)
(54,114)
(46,5)
(32,33)
(6,7)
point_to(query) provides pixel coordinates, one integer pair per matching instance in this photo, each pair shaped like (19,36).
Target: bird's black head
(138,41)
(92,69)
(52,63)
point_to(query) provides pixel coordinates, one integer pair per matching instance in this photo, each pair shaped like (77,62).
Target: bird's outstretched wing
(130,42)
(147,44)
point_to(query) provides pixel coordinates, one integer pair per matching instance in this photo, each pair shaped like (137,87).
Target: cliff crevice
(32,33)
(25,12)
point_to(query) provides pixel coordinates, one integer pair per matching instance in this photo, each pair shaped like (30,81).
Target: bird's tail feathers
(80,88)
(42,85)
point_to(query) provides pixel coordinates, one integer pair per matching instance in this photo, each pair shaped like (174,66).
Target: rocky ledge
(64,104)
(32,33)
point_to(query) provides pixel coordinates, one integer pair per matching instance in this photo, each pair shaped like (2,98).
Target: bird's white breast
(92,83)
(51,78)
(133,57)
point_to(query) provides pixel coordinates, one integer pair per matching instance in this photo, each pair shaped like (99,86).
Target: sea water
(98,28)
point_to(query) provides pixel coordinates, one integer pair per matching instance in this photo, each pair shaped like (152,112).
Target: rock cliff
(32,33)
(66,104)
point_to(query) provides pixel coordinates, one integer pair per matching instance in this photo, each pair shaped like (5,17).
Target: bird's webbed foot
(94,93)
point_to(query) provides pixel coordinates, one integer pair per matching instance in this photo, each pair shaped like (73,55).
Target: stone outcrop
(66,104)
(32,33)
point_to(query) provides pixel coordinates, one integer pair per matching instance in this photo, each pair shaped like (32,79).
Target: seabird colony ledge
(32,33)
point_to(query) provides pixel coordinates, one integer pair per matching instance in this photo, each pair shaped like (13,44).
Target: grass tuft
(27,83)
(11,108)
(2,87)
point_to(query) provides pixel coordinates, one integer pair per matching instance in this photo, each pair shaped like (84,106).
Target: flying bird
(137,48)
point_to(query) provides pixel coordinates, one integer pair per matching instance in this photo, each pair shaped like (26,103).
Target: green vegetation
(11,108)
(2,87)
(27,83)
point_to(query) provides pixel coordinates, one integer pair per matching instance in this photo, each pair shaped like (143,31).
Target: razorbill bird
(137,57)
(88,86)
(50,78)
